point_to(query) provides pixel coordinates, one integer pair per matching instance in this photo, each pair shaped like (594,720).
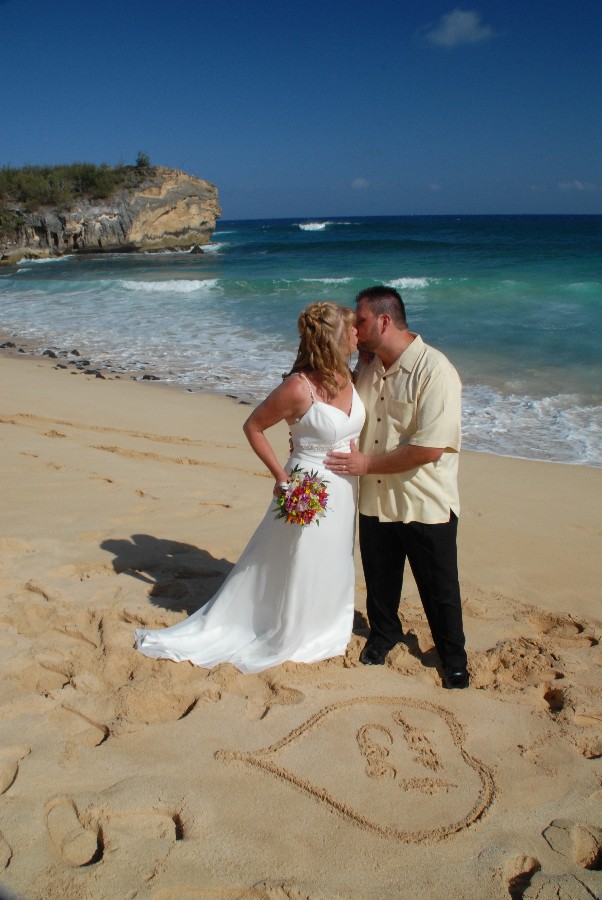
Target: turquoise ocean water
(514,301)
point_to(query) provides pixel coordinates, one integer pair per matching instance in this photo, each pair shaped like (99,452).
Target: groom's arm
(402,459)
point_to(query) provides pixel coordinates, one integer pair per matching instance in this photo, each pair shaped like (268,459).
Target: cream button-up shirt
(417,401)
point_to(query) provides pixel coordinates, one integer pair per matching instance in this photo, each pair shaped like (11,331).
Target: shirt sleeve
(439,410)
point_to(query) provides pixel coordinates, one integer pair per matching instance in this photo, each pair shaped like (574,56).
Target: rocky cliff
(167,209)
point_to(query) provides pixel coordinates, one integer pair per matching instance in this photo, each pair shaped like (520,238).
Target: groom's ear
(385,321)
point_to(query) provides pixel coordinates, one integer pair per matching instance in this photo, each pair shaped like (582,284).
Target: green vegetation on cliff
(31,187)
(34,186)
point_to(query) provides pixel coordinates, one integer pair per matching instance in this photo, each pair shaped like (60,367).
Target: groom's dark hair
(383,299)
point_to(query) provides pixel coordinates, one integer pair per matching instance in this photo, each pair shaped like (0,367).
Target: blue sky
(322,107)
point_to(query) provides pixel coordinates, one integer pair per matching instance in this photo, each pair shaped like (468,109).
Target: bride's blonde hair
(322,328)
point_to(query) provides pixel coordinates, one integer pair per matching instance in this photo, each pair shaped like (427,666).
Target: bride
(291,594)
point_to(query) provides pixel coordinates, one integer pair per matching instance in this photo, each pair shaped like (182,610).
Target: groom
(408,464)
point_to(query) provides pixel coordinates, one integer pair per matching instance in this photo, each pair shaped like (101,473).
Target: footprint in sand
(10,757)
(566,631)
(87,729)
(576,708)
(6,852)
(135,840)
(261,692)
(518,873)
(552,647)
(556,887)
(76,845)
(512,665)
(524,880)
(580,843)
(590,746)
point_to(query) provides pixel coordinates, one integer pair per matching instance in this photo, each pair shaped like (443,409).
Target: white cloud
(360,184)
(576,185)
(461,26)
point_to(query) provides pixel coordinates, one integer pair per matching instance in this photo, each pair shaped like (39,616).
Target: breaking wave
(173,286)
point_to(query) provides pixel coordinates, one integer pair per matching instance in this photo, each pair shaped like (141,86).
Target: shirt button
(379,481)
(378,420)
(376,442)
(382,398)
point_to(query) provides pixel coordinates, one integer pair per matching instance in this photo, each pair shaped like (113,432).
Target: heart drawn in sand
(393,765)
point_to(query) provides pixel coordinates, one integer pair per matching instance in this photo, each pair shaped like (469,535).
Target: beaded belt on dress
(324,448)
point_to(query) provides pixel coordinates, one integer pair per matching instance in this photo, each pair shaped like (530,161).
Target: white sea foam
(169,251)
(214,248)
(172,286)
(559,427)
(235,356)
(535,399)
(313,226)
(329,280)
(588,287)
(38,262)
(402,284)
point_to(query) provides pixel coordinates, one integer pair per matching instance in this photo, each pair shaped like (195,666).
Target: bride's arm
(287,402)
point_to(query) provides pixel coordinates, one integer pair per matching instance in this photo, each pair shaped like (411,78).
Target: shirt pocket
(402,420)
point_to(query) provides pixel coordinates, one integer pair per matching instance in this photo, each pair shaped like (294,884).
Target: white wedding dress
(291,594)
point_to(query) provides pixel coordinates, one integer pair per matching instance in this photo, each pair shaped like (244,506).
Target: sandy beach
(125,505)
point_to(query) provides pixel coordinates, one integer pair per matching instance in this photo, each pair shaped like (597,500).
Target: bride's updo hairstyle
(324,329)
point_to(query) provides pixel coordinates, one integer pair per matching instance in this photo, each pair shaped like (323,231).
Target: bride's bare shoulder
(297,385)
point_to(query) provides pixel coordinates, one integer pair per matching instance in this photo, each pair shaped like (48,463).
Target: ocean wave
(313,226)
(181,251)
(402,284)
(214,248)
(586,287)
(534,398)
(329,280)
(559,428)
(27,265)
(48,259)
(173,286)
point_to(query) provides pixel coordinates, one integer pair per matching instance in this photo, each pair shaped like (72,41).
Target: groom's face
(368,332)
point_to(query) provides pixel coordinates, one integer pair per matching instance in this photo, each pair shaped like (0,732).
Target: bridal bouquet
(302,499)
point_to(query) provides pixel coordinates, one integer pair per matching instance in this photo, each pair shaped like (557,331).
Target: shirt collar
(407,360)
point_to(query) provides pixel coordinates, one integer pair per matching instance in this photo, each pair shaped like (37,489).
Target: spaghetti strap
(311,390)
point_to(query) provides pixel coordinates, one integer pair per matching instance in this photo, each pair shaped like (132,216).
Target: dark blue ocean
(514,301)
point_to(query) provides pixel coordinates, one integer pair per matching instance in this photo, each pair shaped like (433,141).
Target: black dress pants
(431,551)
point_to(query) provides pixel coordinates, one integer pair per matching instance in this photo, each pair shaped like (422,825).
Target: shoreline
(226,323)
(121,775)
(61,358)
(14,347)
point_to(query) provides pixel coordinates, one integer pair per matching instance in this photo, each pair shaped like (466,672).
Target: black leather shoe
(456,680)
(373,655)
